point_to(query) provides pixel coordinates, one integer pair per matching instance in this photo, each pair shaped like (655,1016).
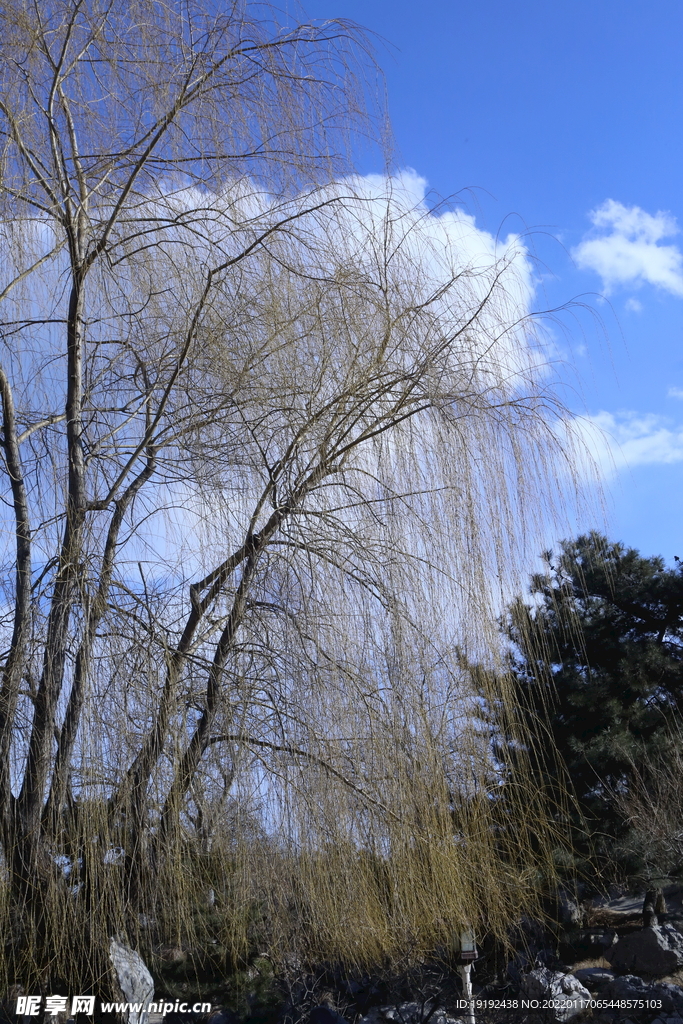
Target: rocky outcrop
(629,986)
(326,1015)
(565,990)
(407,1013)
(595,978)
(656,950)
(132,981)
(671,995)
(569,911)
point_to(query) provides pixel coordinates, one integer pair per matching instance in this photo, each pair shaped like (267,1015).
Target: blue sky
(564,119)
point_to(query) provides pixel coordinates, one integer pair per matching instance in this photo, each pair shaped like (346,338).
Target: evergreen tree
(597,663)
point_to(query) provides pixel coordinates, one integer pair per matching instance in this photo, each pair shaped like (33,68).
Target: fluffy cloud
(623,441)
(626,249)
(480,287)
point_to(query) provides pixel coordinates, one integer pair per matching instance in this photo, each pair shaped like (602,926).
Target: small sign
(468,946)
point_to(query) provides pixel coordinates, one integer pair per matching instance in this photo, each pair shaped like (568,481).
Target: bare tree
(273,440)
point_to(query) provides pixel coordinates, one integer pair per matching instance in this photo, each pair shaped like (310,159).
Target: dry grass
(594,962)
(604,917)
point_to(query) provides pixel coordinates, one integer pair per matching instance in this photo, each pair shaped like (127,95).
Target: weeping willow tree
(274,439)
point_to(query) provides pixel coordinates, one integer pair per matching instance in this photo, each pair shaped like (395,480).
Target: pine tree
(598,665)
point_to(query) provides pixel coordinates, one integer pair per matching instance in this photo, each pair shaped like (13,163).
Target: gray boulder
(627,987)
(523,963)
(671,996)
(407,1013)
(571,996)
(631,987)
(656,950)
(602,940)
(326,1015)
(570,913)
(132,981)
(222,1016)
(594,978)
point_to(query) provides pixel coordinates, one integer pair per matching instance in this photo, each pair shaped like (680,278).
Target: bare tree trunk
(16,659)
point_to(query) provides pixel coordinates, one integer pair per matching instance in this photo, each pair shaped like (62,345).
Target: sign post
(468,953)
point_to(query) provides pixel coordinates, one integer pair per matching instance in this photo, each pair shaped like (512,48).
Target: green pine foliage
(597,662)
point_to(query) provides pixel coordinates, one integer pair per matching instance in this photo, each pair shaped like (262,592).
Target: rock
(671,996)
(601,940)
(653,903)
(594,978)
(132,979)
(570,994)
(373,1016)
(627,987)
(570,912)
(223,1016)
(607,939)
(631,987)
(653,898)
(528,934)
(523,963)
(656,950)
(324,1015)
(407,1013)
(514,972)
(171,954)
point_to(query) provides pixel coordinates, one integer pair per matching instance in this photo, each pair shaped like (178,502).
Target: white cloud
(627,249)
(633,305)
(615,442)
(479,289)
(675,393)
(482,287)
